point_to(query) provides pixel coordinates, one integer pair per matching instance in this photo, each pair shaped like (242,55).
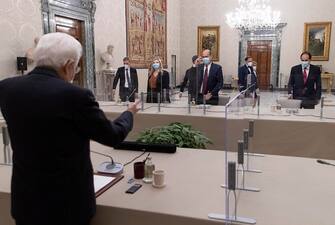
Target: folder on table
(103,182)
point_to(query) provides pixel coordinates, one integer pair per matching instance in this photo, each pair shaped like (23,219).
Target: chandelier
(253,15)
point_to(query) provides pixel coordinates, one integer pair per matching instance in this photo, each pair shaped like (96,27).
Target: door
(261,52)
(74,28)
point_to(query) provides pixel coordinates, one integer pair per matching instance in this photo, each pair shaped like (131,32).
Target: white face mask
(254,68)
(249,63)
(126,66)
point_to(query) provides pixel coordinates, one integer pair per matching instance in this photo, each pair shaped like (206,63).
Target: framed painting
(146,29)
(209,38)
(317,40)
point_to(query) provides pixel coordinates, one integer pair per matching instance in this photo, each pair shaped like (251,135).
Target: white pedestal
(104,88)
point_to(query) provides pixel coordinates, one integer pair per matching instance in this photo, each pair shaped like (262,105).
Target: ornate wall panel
(264,35)
(84,11)
(146,31)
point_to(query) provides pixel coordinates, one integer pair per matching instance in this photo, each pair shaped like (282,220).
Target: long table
(293,191)
(280,133)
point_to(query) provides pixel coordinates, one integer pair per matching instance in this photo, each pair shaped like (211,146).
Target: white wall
(195,13)
(110,28)
(293,36)
(295,13)
(20,23)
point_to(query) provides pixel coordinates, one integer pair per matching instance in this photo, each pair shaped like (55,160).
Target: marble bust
(30,51)
(107,58)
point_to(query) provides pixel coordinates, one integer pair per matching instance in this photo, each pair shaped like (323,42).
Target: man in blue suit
(247,76)
(210,80)
(128,81)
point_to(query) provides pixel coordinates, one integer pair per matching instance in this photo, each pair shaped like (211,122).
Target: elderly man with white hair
(51,123)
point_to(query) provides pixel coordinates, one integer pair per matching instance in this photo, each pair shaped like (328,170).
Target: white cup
(158,178)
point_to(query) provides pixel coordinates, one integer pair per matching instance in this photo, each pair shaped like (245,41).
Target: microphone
(246,139)
(240,152)
(247,88)
(111,167)
(251,128)
(231,176)
(325,163)
(132,93)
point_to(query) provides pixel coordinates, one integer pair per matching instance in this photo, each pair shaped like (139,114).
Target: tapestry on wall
(146,31)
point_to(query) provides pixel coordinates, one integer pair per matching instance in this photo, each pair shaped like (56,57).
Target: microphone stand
(197,83)
(133,92)
(128,97)
(111,167)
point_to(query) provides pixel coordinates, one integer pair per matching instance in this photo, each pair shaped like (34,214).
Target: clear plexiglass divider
(235,163)
(248,105)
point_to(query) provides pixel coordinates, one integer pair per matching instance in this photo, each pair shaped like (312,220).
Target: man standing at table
(247,76)
(189,78)
(210,80)
(128,81)
(51,123)
(305,82)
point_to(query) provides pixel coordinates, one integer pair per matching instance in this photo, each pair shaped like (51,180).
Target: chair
(289,103)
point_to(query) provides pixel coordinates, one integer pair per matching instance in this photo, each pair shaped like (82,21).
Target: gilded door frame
(82,10)
(275,36)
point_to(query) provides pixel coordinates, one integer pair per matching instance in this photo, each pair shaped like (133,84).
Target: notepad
(101,181)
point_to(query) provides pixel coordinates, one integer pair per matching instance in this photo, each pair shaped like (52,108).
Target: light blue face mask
(206,60)
(305,64)
(155,66)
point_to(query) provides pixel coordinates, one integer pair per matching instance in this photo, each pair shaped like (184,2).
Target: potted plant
(182,135)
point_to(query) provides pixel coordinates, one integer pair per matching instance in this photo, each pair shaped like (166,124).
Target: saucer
(108,167)
(158,186)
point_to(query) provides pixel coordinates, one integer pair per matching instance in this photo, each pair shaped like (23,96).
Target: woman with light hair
(158,82)
(51,123)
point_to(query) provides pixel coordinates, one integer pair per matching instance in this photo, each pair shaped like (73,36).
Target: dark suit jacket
(163,82)
(214,82)
(51,123)
(311,90)
(188,73)
(243,72)
(192,76)
(120,75)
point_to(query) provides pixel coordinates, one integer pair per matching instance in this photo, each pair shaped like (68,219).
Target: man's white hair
(55,49)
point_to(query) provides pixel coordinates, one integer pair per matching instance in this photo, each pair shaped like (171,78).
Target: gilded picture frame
(317,40)
(209,38)
(146,31)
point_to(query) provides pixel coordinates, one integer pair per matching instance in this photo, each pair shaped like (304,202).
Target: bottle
(149,167)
